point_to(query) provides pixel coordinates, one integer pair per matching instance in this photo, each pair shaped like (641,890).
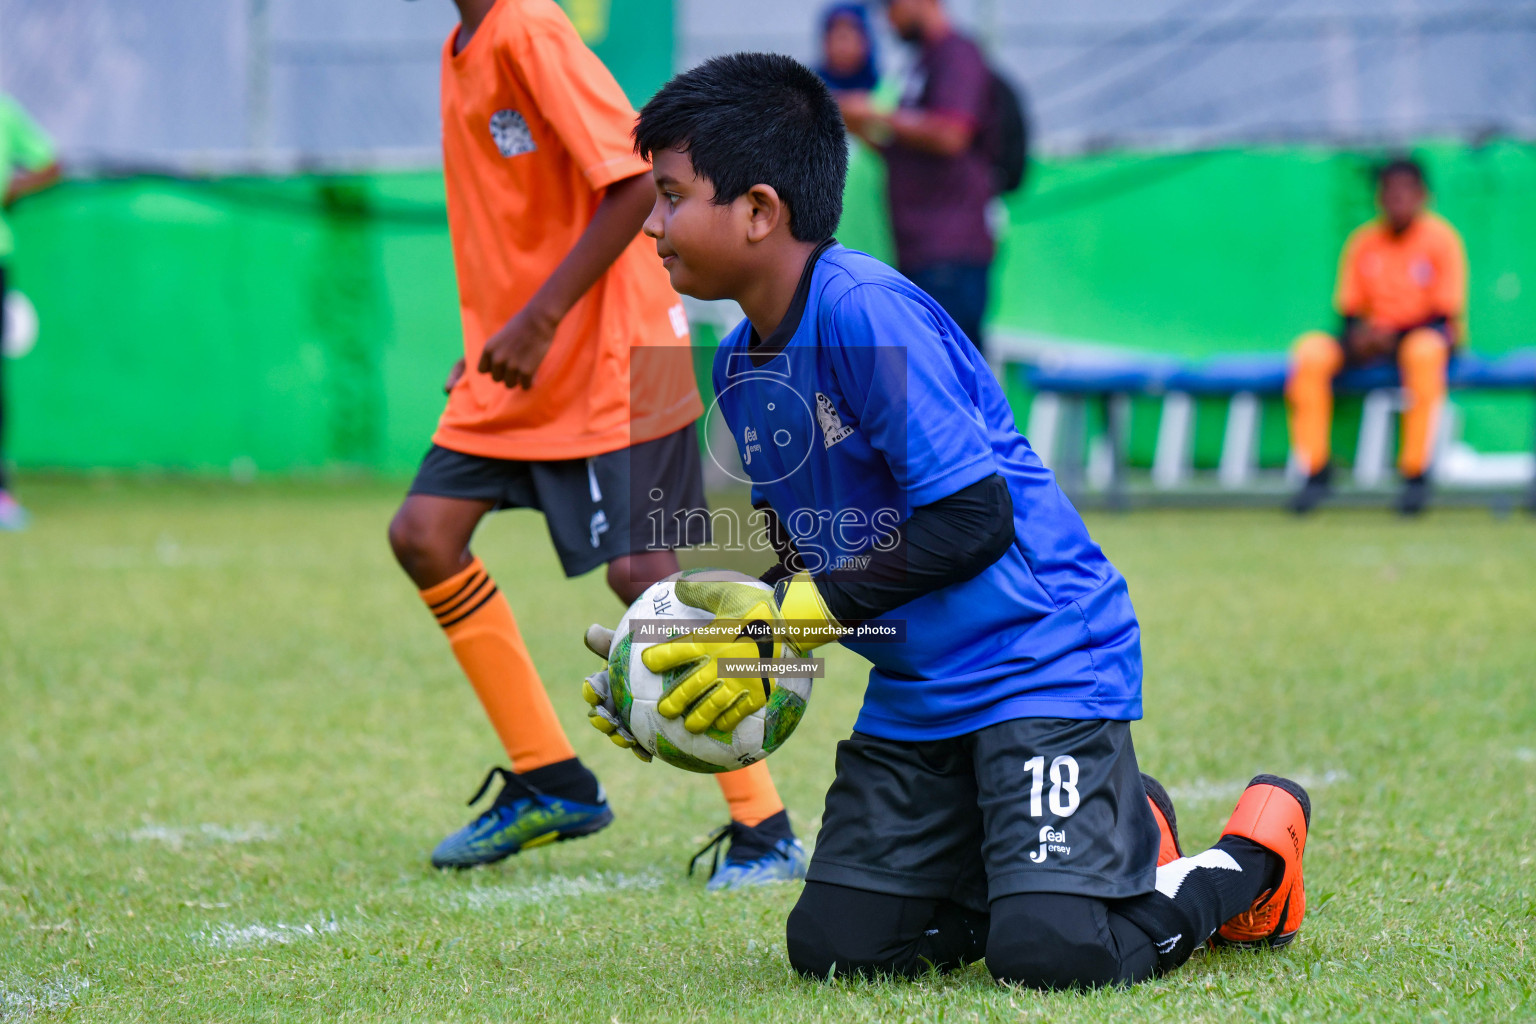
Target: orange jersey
(534,129)
(1402,281)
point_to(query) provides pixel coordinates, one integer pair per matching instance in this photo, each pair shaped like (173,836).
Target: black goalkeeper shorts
(1031,805)
(647,497)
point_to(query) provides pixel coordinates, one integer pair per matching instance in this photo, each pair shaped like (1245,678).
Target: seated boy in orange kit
(1402,292)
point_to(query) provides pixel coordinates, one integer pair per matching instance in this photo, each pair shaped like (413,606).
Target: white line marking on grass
(1204,791)
(1207,791)
(557,887)
(232,936)
(22,998)
(167,553)
(1328,778)
(177,836)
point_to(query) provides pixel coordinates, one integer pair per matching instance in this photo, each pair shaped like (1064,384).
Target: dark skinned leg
(430,536)
(630,575)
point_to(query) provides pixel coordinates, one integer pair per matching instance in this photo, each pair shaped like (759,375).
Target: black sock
(749,842)
(1196,895)
(569,779)
(773,828)
(1258,864)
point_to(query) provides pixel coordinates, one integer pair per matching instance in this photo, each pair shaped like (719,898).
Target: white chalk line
(180,835)
(1207,791)
(21,999)
(233,936)
(557,887)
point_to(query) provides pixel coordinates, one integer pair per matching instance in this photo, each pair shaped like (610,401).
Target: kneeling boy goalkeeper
(988,803)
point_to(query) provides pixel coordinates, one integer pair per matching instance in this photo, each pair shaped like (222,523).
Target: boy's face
(906,18)
(700,243)
(1402,198)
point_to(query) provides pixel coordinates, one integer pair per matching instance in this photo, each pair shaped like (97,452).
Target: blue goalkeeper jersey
(868,402)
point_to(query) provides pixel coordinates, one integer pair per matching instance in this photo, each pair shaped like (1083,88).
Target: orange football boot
(1275,813)
(1167,823)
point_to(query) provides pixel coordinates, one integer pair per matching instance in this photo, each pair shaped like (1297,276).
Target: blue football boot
(757,855)
(521,817)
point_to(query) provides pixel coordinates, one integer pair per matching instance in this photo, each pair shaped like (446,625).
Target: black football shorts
(647,497)
(1030,805)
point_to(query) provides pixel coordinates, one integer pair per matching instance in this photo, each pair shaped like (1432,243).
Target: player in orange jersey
(1402,292)
(575,396)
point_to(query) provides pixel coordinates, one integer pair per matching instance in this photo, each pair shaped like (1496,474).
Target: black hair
(1404,165)
(756,118)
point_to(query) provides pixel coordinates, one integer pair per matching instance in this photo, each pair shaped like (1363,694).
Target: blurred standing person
(563,402)
(939,166)
(848,61)
(27,163)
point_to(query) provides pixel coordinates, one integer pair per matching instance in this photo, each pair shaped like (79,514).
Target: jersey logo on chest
(509,130)
(832,428)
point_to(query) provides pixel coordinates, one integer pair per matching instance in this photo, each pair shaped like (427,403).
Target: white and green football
(637,690)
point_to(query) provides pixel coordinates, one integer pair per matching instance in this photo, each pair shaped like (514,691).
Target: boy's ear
(765,212)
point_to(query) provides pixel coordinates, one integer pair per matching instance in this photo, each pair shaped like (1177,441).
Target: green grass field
(232,735)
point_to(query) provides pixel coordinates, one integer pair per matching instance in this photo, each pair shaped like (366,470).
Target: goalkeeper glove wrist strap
(801,604)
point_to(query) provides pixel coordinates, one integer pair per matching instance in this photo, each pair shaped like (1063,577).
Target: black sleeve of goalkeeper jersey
(789,561)
(947,542)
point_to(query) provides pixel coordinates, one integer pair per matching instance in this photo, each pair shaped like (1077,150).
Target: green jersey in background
(22,144)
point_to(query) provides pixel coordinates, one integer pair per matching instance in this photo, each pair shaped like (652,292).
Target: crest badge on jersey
(509,130)
(832,428)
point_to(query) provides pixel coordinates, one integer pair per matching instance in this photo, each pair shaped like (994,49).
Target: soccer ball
(636,689)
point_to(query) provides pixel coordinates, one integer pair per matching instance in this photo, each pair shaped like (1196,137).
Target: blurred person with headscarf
(848,59)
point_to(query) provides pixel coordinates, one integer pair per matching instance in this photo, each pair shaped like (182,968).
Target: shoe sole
(797,875)
(1279,939)
(546,839)
(1164,804)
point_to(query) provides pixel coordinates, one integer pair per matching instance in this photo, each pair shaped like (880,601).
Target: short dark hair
(1404,165)
(756,118)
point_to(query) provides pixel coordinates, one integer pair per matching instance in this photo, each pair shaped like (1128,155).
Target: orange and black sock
(751,795)
(490,649)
